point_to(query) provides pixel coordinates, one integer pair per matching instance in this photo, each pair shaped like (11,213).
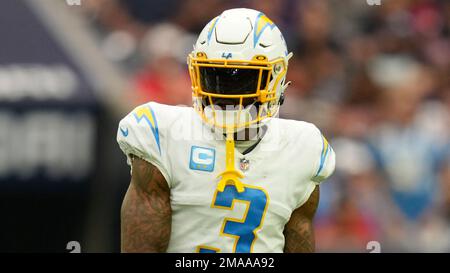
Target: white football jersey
(280,174)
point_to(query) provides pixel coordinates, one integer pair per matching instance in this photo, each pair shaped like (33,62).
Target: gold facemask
(264,77)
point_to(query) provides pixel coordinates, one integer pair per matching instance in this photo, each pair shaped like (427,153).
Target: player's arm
(146,215)
(299,232)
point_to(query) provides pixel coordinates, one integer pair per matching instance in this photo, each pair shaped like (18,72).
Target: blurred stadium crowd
(375,79)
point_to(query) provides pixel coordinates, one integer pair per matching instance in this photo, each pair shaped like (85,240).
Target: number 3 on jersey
(242,230)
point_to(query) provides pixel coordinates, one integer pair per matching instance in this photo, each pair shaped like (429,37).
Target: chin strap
(230,176)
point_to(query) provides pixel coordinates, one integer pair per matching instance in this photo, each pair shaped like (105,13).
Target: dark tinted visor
(231,81)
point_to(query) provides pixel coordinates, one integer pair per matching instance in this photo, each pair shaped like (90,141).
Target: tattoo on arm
(299,232)
(146,215)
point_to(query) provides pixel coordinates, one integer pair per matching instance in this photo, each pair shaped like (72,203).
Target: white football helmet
(238,70)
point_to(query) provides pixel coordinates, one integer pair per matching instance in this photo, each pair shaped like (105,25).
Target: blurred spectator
(164,78)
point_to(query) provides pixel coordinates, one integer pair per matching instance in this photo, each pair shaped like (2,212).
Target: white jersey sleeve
(139,134)
(324,156)
(309,158)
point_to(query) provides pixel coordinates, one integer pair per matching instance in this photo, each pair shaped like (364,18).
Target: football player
(226,175)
